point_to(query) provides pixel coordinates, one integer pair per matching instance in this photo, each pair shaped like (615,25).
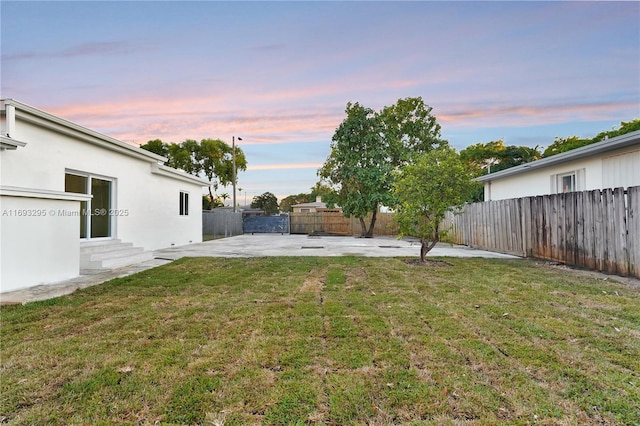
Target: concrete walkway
(258,245)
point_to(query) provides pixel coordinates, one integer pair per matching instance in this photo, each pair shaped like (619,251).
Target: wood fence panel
(509,213)
(335,223)
(536,225)
(554,227)
(559,227)
(607,217)
(546,247)
(580,232)
(599,230)
(588,245)
(518,246)
(633,229)
(304,223)
(570,228)
(619,239)
(495,229)
(526,226)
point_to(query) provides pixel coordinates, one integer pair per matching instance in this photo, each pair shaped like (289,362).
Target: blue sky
(279,74)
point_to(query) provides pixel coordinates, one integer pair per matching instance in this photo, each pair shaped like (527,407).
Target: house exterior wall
(612,169)
(621,169)
(147,204)
(146,199)
(39,241)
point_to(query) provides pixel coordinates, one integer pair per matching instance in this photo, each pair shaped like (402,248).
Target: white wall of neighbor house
(146,204)
(39,241)
(619,168)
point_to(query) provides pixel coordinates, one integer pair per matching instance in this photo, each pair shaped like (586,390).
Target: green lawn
(333,341)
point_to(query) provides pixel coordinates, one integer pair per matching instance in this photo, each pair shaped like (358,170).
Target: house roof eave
(161,169)
(618,142)
(44,119)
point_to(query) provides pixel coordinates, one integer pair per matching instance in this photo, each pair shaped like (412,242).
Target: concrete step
(113,252)
(102,246)
(110,254)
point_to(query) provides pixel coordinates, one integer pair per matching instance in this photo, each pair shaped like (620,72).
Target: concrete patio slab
(247,245)
(261,245)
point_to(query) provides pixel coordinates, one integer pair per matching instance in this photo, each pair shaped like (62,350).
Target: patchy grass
(334,341)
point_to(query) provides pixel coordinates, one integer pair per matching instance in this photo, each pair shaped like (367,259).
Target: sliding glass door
(96,220)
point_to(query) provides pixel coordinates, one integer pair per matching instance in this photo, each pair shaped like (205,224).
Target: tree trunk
(210,198)
(372,224)
(363,227)
(426,246)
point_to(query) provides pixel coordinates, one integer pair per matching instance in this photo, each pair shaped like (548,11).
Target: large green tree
(358,165)
(368,146)
(267,202)
(426,189)
(409,128)
(212,158)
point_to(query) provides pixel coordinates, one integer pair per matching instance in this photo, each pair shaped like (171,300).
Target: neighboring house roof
(623,141)
(315,204)
(41,118)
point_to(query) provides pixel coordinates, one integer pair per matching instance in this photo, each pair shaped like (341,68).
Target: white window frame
(113,223)
(577,181)
(183,209)
(571,177)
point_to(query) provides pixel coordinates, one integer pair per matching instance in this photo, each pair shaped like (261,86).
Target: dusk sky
(279,74)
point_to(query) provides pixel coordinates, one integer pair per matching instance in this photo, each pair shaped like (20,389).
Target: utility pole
(233,154)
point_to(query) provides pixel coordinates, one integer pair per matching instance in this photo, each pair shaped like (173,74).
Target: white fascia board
(162,170)
(15,191)
(618,142)
(10,143)
(60,125)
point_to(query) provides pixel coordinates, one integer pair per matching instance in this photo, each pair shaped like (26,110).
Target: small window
(184,203)
(567,182)
(572,181)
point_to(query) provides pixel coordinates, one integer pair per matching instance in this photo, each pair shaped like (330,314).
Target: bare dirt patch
(416,262)
(313,283)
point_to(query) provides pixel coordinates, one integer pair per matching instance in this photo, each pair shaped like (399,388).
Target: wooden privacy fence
(334,223)
(598,230)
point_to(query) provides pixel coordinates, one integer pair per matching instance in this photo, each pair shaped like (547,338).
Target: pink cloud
(520,115)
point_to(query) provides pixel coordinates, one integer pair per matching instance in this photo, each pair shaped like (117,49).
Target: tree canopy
(366,149)
(212,158)
(438,181)
(560,145)
(267,202)
(494,156)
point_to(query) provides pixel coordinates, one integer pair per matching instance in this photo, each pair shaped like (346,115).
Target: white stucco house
(309,207)
(73,198)
(611,163)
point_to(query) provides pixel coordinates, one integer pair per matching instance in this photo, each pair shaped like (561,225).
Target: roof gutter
(43,119)
(618,142)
